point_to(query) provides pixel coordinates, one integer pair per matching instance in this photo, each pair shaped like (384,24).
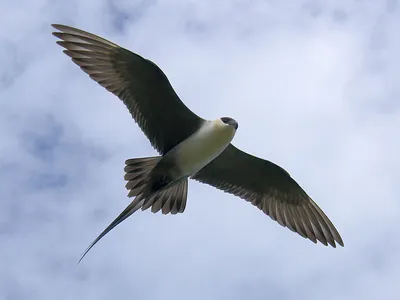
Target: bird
(189,146)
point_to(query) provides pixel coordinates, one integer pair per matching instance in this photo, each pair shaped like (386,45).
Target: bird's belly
(200,149)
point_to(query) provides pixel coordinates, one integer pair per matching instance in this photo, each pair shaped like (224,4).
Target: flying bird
(188,145)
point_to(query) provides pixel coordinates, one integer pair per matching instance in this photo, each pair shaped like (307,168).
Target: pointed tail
(171,199)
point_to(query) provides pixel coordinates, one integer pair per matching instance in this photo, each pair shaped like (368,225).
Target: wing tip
(340,242)
(333,243)
(59,27)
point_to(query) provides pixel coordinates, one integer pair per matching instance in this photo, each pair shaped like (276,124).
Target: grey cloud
(314,88)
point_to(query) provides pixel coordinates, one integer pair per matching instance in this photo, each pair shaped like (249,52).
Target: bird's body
(189,146)
(202,147)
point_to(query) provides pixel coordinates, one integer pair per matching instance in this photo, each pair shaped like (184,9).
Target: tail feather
(137,172)
(179,204)
(129,210)
(169,199)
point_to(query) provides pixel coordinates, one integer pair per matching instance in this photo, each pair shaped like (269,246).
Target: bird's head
(230,122)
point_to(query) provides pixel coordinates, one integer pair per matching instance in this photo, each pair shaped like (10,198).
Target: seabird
(189,146)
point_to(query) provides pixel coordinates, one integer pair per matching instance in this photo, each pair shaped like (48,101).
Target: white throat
(194,153)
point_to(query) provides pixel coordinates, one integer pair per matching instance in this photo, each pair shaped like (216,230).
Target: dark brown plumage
(271,189)
(135,80)
(166,122)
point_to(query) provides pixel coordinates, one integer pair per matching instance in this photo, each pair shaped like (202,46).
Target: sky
(314,86)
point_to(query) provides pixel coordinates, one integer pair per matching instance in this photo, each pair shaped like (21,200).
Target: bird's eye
(226,120)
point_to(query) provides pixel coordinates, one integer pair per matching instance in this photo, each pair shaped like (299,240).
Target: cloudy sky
(315,88)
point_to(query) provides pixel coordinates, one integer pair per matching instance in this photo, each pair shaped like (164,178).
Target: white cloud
(314,82)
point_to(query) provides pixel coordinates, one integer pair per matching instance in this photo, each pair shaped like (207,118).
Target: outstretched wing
(138,82)
(272,190)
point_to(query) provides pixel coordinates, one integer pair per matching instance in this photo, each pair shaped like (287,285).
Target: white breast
(203,146)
